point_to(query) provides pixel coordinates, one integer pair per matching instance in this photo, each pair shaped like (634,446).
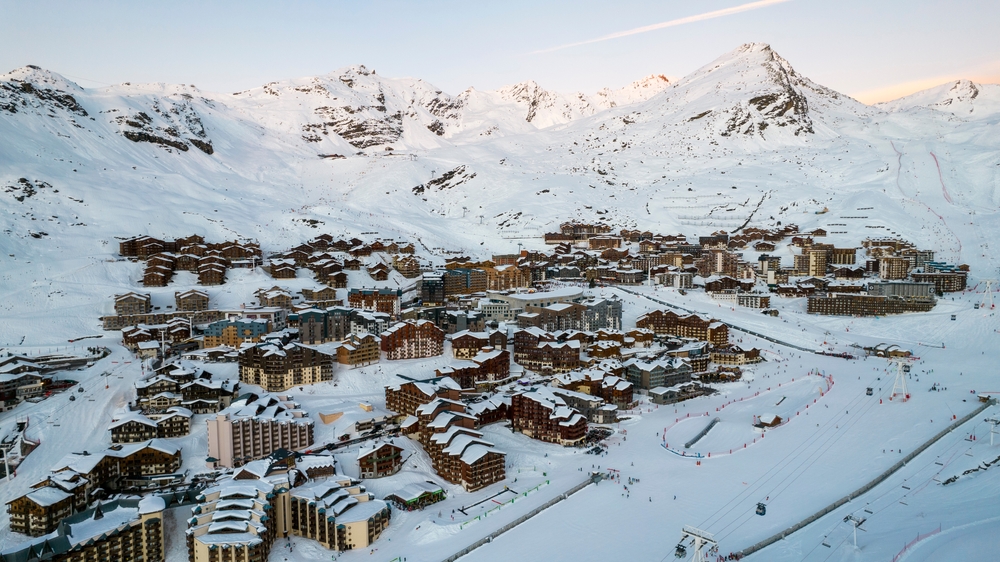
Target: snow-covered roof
(48,496)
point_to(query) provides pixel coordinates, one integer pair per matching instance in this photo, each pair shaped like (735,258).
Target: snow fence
(594,478)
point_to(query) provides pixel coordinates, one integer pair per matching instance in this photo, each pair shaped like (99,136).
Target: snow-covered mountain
(962,98)
(744,138)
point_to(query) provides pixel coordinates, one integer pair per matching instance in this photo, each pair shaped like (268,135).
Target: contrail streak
(680,21)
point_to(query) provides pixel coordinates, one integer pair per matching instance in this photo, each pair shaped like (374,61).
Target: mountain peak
(959,97)
(40,78)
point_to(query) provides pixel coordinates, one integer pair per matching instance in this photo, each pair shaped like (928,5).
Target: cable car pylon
(899,387)
(699,540)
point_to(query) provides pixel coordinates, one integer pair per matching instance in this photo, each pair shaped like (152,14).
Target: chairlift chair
(680,551)
(761,508)
(868,391)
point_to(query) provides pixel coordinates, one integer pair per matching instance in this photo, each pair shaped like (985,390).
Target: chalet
(767,420)
(435,417)
(721,283)
(358,350)
(735,355)
(539,351)
(488,367)
(337,280)
(407,266)
(583,231)
(319,296)
(283,268)
(592,407)
(493,409)
(849,273)
(156,276)
(276,367)
(379,272)
(466,344)
(688,326)
(135,427)
(611,388)
(132,303)
(540,414)
(887,350)
(648,374)
(416,495)
(191,300)
(794,290)
(376,460)
(187,262)
(211,274)
(121,464)
(678,393)
(404,397)
(274,297)
(376,300)
(147,349)
(412,340)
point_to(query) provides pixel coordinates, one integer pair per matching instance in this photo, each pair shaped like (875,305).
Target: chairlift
(868,391)
(681,551)
(761,508)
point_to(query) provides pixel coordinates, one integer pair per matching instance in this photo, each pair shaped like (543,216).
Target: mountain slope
(744,138)
(962,98)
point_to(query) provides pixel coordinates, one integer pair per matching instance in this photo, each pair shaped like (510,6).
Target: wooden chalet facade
(412,340)
(686,326)
(379,459)
(358,350)
(136,427)
(467,344)
(191,300)
(541,415)
(275,367)
(133,303)
(376,300)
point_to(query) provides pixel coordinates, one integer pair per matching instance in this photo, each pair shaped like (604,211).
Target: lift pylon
(699,540)
(899,386)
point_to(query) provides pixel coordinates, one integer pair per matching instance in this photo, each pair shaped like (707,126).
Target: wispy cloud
(672,23)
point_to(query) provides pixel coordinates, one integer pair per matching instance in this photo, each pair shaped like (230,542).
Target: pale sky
(871,49)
